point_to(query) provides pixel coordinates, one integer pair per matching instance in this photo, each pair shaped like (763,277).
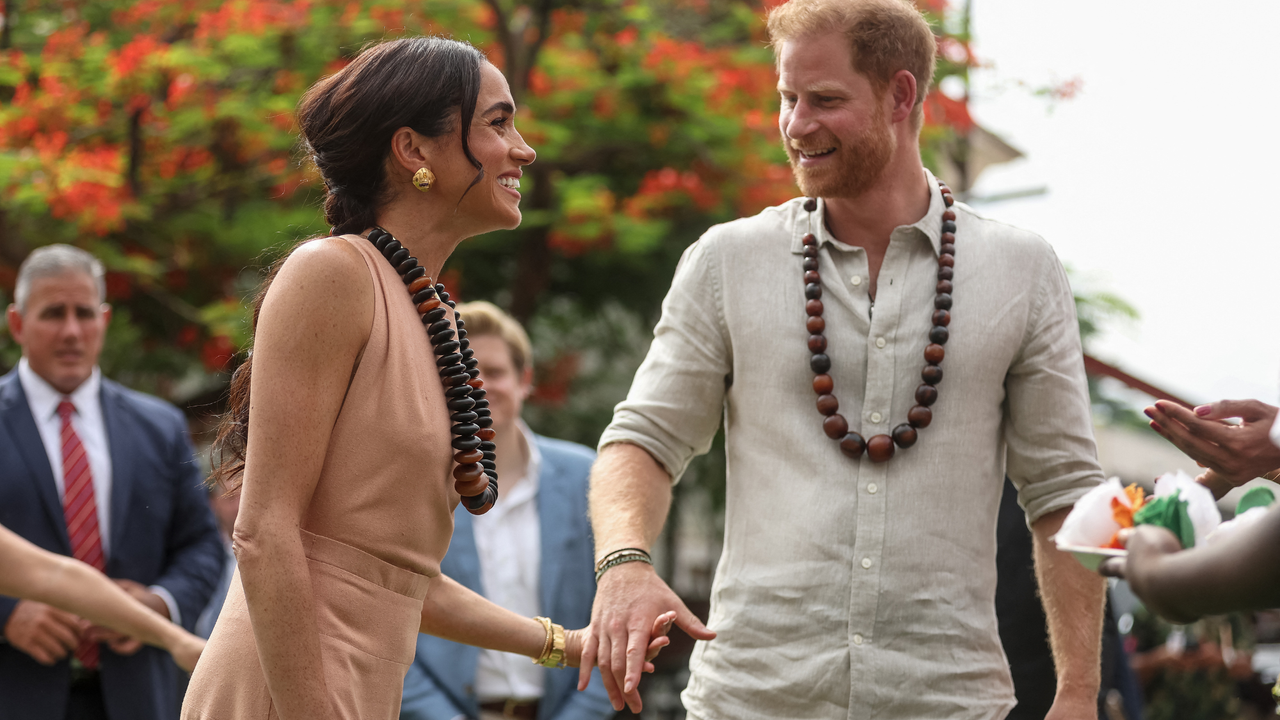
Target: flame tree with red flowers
(159,135)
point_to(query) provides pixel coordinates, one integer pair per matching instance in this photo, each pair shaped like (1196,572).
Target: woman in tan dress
(342,442)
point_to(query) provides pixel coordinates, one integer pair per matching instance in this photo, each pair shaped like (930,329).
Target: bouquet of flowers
(1179,504)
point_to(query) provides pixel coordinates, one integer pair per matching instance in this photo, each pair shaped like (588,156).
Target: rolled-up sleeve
(1052,456)
(677,397)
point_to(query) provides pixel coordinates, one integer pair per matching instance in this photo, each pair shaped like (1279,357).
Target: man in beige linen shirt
(850,589)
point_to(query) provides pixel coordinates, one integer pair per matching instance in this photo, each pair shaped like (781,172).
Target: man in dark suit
(532,554)
(95,471)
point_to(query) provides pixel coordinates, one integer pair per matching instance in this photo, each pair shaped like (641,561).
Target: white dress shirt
(849,589)
(509,542)
(90,426)
(43,399)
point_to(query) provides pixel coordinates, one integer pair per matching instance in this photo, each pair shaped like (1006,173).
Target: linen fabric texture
(846,588)
(378,524)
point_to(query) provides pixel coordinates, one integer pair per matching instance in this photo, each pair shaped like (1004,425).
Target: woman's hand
(574,640)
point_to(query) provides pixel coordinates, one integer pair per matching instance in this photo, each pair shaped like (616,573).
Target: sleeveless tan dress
(379,523)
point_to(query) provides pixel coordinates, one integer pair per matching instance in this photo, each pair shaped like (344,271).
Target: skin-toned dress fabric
(377,527)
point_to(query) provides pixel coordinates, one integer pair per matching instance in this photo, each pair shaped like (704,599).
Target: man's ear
(105,310)
(526,383)
(14,318)
(410,149)
(902,89)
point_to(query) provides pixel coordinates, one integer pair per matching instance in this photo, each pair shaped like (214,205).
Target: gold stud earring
(424,179)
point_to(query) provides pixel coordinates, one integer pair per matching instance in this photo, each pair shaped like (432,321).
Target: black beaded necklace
(879,447)
(475,476)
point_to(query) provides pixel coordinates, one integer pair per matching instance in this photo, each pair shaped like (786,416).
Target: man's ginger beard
(860,164)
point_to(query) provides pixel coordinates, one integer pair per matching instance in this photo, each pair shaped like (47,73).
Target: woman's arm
(453,612)
(1237,572)
(314,322)
(31,573)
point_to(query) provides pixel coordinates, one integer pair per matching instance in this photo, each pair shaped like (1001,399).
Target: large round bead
(943,300)
(823,384)
(828,404)
(946,260)
(919,416)
(815,324)
(817,343)
(810,204)
(809,239)
(812,276)
(820,363)
(944,287)
(813,307)
(926,395)
(465,443)
(813,291)
(931,374)
(880,448)
(933,354)
(810,263)
(946,273)
(941,317)
(904,436)
(853,445)
(467,457)
(835,426)
(939,335)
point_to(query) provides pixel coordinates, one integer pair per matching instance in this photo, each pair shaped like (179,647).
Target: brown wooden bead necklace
(475,477)
(879,447)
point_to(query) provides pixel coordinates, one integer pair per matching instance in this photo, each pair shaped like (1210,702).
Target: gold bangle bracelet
(552,655)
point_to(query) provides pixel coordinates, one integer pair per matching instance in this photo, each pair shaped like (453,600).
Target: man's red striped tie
(81,511)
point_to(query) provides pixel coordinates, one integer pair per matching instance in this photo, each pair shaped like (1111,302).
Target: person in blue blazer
(95,471)
(532,553)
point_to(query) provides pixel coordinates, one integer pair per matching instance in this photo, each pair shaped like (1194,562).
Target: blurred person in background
(103,474)
(856,580)
(531,554)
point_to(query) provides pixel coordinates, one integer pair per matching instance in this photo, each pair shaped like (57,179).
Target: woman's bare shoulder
(323,289)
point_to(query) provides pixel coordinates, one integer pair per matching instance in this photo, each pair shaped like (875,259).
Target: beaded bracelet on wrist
(614,561)
(879,448)
(475,475)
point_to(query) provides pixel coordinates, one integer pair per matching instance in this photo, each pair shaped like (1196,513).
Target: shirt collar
(43,398)
(929,226)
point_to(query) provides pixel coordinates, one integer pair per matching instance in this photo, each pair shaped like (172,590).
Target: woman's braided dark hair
(347,121)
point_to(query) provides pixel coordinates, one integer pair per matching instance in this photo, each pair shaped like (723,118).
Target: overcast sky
(1162,173)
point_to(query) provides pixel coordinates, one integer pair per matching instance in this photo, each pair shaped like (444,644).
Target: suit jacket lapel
(465,557)
(16,419)
(555,530)
(120,442)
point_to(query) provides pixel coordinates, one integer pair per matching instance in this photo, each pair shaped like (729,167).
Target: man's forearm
(1074,599)
(629,498)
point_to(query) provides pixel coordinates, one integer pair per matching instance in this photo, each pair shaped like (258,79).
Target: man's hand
(1237,453)
(629,600)
(145,596)
(45,633)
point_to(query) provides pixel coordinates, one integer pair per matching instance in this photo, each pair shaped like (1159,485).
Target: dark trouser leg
(86,700)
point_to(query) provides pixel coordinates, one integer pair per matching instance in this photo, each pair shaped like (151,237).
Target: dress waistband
(363,565)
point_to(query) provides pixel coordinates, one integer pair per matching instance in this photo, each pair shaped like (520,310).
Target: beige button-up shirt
(849,589)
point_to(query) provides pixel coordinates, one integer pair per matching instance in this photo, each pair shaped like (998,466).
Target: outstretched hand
(631,602)
(1237,453)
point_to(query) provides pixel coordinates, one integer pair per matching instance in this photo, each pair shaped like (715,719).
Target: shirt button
(857,639)
(866,563)
(872,488)
(875,417)
(856,280)
(879,342)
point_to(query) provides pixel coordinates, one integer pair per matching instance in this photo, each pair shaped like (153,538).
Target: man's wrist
(622,556)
